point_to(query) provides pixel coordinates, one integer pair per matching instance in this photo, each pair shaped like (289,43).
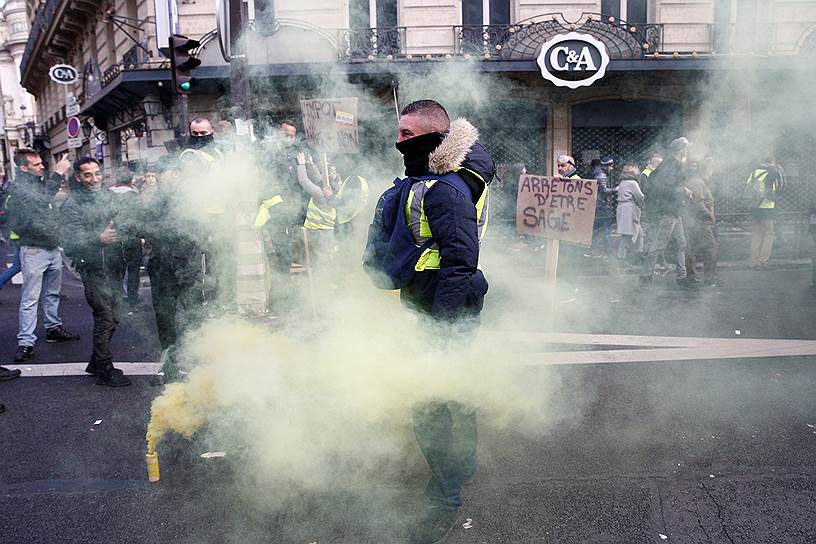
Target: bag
(391,252)
(753,193)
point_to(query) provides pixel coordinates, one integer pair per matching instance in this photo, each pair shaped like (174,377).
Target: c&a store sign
(573,60)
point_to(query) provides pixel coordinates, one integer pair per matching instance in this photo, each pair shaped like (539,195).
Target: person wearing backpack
(761,193)
(424,241)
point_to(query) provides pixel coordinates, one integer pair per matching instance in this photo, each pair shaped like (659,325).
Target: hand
(63,165)
(327,192)
(689,194)
(301,158)
(109,235)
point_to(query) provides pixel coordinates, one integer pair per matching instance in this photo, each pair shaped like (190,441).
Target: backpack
(391,252)
(758,188)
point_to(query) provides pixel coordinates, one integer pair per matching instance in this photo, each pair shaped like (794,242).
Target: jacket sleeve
(452,220)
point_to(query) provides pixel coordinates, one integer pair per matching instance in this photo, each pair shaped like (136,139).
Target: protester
(36,223)
(445,213)
(604,207)
(201,143)
(700,223)
(630,200)
(13,240)
(94,238)
(666,199)
(128,193)
(566,167)
(761,193)
(654,161)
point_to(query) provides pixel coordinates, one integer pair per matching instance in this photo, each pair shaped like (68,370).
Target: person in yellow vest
(201,142)
(654,161)
(446,212)
(761,192)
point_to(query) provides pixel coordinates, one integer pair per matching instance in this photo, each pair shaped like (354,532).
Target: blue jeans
(669,232)
(42,274)
(15,268)
(446,433)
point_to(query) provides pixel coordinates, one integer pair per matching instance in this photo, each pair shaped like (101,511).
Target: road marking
(78,369)
(649,348)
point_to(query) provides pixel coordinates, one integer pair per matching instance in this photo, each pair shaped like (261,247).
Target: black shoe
(24,353)
(112,377)
(688,283)
(2,408)
(434,527)
(6,374)
(92,368)
(59,334)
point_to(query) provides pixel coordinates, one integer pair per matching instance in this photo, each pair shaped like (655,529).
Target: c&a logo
(573,60)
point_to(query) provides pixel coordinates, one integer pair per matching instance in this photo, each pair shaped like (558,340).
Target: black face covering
(198,142)
(415,152)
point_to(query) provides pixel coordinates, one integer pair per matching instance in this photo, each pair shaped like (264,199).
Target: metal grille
(509,146)
(624,144)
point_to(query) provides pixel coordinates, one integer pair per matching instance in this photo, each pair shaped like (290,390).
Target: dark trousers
(104,296)
(702,243)
(446,430)
(280,240)
(602,226)
(176,303)
(133,259)
(446,433)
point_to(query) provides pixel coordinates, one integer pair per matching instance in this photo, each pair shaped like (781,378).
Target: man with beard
(94,239)
(35,221)
(444,200)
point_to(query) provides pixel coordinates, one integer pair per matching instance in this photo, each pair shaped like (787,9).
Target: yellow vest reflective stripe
(318,218)
(421,230)
(647,171)
(263,210)
(760,174)
(205,156)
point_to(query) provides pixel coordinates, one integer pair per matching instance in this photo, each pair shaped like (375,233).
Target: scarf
(415,152)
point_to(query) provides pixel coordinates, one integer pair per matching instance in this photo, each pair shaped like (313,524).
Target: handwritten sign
(330,124)
(556,208)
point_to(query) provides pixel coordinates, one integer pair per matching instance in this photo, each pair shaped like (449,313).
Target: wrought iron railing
(362,43)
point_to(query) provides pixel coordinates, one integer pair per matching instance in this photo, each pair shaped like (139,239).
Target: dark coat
(458,288)
(30,212)
(85,215)
(667,194)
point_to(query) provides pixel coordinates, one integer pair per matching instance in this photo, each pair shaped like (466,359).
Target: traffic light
(182,62)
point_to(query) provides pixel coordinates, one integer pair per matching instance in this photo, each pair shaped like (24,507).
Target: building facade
(17,116)
(659,53)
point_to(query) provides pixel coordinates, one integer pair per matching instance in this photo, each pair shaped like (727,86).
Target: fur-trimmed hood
(460,148)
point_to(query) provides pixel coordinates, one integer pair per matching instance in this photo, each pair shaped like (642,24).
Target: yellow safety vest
(204,156)
(263,215)
(647,171)
(318,218)
(421,230)
(760,174)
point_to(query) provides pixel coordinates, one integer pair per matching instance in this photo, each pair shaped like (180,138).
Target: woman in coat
(630,202)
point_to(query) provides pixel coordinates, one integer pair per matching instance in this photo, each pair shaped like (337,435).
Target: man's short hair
(201,120)
(565,159)
(287,122)
(21,156)
(83,161)
(432,111)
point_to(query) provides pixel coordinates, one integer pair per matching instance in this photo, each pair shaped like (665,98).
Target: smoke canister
(152,459)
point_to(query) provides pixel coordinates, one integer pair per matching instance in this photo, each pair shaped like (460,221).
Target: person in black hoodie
(94,239)
(448,289)
(35,221)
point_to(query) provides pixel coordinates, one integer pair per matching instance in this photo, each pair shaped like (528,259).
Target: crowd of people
(109,226)
(664,214)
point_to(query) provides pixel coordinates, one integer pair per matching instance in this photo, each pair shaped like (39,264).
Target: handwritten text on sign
(556,208)
(330,124)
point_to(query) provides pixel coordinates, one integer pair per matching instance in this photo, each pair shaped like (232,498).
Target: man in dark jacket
(447,290)
(35,221)
(92,236)
(666,200)
(604,206)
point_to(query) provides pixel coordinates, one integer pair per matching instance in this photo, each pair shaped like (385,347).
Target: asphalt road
(703,451)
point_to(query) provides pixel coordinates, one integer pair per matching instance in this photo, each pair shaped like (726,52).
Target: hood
(461,148)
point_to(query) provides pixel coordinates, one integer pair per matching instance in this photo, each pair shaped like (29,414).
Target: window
(386,13)
(359,14)
(473,12)
(611,8)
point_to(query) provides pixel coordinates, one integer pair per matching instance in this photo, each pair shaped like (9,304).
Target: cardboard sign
(330,124)
(556,208)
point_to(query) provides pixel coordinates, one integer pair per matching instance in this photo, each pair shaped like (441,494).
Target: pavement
(709,449)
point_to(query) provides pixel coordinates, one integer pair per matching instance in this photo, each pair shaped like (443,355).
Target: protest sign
(330,124)
(556,208)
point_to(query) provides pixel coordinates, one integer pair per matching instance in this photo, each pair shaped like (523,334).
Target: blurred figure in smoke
(503,198)
(761,193)
(700,223)
(175,267)
(604,207)
(92,239)
(654,161)
(448,288)
(321,215)
(666,199)
(126,190)
(630,200)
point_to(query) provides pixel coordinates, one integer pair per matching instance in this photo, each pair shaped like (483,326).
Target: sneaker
(59,334)
(24,353)
(7,374)
(112,377)
(435,527)
(688,283)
